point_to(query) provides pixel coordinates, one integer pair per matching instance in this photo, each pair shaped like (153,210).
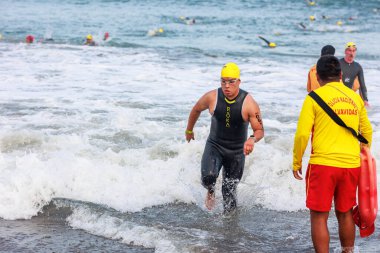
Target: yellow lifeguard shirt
(332,145)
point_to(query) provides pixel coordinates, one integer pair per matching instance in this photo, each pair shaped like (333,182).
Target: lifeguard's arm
(365,127)
(203,103)
(363,88)
(301,138)
(308,82)
(251,111)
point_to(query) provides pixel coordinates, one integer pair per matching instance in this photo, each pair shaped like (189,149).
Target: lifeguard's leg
(346,230)
(319,231)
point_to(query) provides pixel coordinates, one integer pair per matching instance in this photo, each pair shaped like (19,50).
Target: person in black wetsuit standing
(352,71)
(232,110)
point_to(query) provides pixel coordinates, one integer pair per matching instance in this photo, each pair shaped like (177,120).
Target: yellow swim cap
(230,70)
(350,44)
(339,23)
(272,44)
(161,30)
(312,18)
(311,3)
(89,37)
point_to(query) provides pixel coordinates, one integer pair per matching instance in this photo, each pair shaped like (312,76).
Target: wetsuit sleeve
(363,88)
(305,124)
(365,127)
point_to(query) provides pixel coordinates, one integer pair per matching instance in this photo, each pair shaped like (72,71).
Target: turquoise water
(99,130)
(229,27)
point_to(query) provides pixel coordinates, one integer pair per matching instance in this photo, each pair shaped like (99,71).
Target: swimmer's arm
(254,118)
(203,103)
(363,88)
(251,112)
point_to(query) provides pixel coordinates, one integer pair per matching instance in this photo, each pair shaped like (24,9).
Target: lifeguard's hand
(248,146)
(189,136)
(297,174)
(366,104)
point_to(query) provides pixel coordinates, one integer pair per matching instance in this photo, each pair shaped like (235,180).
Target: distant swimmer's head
(106,35)
(350,45)
(89,37)
(272,45)
(311,3)
(328,68)
(312,18)
(340,23)
(230,70)
(29,39)
(327,50)
(160,30)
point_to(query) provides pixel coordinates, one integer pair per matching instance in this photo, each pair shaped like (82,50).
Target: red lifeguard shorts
(323,183)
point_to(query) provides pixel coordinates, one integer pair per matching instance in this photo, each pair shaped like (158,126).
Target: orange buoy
(365,212)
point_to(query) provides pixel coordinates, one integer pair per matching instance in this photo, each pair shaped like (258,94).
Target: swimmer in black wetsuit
(351,70)
(232,109)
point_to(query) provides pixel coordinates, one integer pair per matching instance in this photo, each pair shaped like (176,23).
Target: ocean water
(100,130)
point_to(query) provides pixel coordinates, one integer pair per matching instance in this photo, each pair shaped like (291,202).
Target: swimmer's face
(350,53)
(230,86)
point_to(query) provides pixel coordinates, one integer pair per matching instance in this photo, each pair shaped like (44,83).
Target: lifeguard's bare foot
(210,200)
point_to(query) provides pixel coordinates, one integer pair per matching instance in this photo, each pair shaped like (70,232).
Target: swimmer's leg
(210,168)
(210,200)
(232,173)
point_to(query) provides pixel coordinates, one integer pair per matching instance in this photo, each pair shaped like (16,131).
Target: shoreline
(50,233)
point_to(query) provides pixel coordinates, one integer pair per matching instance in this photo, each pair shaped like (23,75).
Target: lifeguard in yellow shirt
(334,165)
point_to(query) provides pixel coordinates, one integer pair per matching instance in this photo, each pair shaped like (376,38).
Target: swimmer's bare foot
(210,200)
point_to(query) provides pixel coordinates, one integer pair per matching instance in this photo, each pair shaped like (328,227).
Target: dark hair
(328,68)
(327,50)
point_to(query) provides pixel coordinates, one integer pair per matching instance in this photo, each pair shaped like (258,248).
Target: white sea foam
(118,229)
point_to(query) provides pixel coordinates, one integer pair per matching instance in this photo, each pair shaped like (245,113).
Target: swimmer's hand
(189,135)
(249,145)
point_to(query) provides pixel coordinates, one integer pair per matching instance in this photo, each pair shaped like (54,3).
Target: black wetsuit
(224,147)
(349,72)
